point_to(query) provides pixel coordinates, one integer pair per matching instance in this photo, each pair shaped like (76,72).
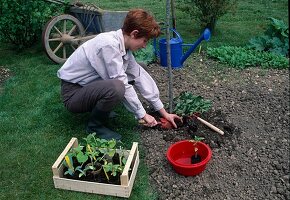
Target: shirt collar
(122,42)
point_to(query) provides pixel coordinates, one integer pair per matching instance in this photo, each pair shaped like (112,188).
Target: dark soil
(251,160)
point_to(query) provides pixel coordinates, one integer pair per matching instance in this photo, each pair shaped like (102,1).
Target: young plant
(186,104)
(108,147)
(113,168)
(81,159)
(122,158)
(196,158)
(100,146)
(97,154)
(69,164)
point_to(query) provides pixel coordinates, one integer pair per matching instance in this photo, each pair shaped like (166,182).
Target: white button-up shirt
(105,57)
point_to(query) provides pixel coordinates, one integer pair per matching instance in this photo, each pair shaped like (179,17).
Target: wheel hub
(67,39)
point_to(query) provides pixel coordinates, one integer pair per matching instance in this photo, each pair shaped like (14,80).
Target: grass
(35,127)
(249,20)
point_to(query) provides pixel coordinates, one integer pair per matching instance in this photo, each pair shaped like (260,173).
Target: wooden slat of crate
(123,190)
(55,167)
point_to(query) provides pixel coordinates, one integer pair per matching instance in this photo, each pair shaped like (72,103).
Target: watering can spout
(205,36)
(176,44)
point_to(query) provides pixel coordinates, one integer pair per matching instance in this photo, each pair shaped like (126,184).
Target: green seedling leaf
(197,138)
(111,152)
(78,148)
(69,171)
(124,160)
(187,104)
(112,144)
(81,157)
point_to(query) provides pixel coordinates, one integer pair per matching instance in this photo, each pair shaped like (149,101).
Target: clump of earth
(251,160)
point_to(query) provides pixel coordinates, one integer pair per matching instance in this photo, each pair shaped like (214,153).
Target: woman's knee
(119,89)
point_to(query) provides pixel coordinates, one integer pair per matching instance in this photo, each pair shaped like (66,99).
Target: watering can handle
(155,41)
(176,33)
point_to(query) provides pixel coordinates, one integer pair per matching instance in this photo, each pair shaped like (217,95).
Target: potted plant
(180,156)
(96,165)
(196,158)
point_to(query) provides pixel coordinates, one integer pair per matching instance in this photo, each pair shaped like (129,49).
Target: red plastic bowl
(179,155)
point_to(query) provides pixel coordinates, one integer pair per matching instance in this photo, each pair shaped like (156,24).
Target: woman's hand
(150,121)
(170,117)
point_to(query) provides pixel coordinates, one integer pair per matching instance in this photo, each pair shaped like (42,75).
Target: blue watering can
(177,57)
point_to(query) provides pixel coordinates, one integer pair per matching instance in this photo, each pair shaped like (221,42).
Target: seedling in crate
(93,182)
(196,158)
(88,161)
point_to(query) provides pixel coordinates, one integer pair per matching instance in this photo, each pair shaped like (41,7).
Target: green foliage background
(207,11)
(275,39)
(21,21)
(34,125)
(242,57)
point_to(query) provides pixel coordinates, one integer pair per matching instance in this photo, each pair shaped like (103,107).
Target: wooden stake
(210,125)
(169,67)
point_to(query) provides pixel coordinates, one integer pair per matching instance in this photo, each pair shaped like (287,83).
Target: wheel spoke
(53,39)
(72,47)
(71,30)
(61,37)
(57,48)
(64,52)
(60,33)
(64,26)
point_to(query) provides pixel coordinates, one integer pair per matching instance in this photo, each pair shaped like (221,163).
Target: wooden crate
(123,190)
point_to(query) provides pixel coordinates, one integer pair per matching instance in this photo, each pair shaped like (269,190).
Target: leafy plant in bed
(190,106)
(98,160)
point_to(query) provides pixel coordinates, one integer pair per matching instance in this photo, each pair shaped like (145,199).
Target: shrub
(21,21)
(275,38)
(207,11)
(145,55)
(242,57)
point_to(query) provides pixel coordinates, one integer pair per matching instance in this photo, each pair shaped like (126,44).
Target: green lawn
(35,127)
(249,20)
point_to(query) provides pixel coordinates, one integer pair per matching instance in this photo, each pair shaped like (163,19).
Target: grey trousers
(101,94)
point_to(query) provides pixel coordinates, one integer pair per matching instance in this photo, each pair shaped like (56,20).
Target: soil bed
(251,161)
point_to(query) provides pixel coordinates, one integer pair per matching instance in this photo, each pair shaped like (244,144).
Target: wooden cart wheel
(59,37)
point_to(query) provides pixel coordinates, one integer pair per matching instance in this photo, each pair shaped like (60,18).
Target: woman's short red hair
(141,20)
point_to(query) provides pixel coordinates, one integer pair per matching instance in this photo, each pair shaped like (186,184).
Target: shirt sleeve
(144,84)
(114,69)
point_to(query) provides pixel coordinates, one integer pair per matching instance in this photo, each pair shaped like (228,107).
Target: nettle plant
(93,157)
(187,104)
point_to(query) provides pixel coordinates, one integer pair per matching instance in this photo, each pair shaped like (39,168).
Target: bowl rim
(190,166)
